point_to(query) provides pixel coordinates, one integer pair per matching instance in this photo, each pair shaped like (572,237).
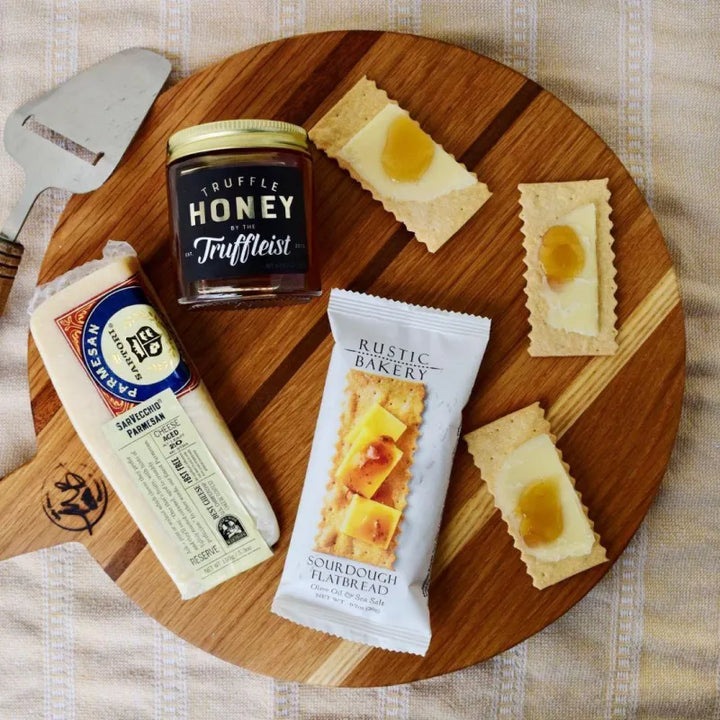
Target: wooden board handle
(10,255)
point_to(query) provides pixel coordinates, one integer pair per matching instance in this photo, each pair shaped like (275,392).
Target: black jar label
(241,220)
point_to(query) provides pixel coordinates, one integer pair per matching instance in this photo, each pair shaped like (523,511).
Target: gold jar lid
(229,134)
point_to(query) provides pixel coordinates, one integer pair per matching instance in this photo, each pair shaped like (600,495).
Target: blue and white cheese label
(125,345)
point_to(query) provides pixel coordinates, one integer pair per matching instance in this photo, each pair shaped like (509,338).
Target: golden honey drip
(408,151)
(541,518)
(375,457)
(561,254)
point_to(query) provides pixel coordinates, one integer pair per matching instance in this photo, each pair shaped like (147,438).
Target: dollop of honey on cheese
(375,458)
(561,254)
(408,151)
(540,511)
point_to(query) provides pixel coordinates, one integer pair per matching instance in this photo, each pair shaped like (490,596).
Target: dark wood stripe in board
(294,360)
(45,403)
(310,94)
(7,249)
(264,395)
(501,123)
(121,560)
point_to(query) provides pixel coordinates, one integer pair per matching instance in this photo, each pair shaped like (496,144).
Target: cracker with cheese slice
(494,448)
(435,204)
(559,323)
(392,409)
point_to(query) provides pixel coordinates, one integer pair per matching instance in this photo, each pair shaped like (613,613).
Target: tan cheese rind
(542,205)
(434,221)
(490,446)
(406,401)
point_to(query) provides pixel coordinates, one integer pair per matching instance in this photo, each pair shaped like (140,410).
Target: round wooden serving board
(616,417)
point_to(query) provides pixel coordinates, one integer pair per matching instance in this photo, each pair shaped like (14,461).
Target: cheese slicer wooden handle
(11,251)
(10,254)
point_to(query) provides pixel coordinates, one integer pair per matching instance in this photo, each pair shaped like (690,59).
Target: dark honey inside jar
(240,198)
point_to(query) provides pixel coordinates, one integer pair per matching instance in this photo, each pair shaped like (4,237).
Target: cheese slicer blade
(74,136)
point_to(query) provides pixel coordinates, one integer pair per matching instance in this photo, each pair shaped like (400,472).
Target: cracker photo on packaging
(369,481)
(390,155)
(535,493)
(570,277)
(359,560)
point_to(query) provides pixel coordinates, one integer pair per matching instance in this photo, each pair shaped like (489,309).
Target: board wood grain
(616,417)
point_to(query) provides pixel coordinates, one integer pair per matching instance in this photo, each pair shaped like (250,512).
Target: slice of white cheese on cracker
(572,306)
(535,461)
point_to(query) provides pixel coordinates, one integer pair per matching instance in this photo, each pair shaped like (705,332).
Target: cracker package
(359,559)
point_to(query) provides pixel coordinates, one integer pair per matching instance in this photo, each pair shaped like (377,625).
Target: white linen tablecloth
(646,642)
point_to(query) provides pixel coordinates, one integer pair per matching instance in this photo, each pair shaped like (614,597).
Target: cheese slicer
(74,136)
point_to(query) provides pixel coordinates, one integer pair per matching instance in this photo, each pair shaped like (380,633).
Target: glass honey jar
(240,195)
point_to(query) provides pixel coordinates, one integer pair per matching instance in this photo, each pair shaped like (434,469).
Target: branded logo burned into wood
(74,503)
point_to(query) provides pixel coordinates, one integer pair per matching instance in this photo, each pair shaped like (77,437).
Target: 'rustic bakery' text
(392,360)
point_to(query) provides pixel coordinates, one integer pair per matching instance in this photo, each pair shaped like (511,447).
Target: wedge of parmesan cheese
(112,356)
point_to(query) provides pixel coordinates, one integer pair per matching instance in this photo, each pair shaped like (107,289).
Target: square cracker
(490,446)
(542,205)
(434,221)
(406,401)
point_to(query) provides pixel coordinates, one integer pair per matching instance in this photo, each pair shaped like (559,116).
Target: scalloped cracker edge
(406,401)
(434,221)
(542,205)
(490,446)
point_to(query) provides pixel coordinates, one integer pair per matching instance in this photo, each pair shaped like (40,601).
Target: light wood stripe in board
(339,664)
(567,408)
(595,376)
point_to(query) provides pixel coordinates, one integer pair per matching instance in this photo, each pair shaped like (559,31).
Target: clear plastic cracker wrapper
(359,560)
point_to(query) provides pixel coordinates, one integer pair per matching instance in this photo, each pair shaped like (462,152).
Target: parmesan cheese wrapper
(359,559)
(146,417)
